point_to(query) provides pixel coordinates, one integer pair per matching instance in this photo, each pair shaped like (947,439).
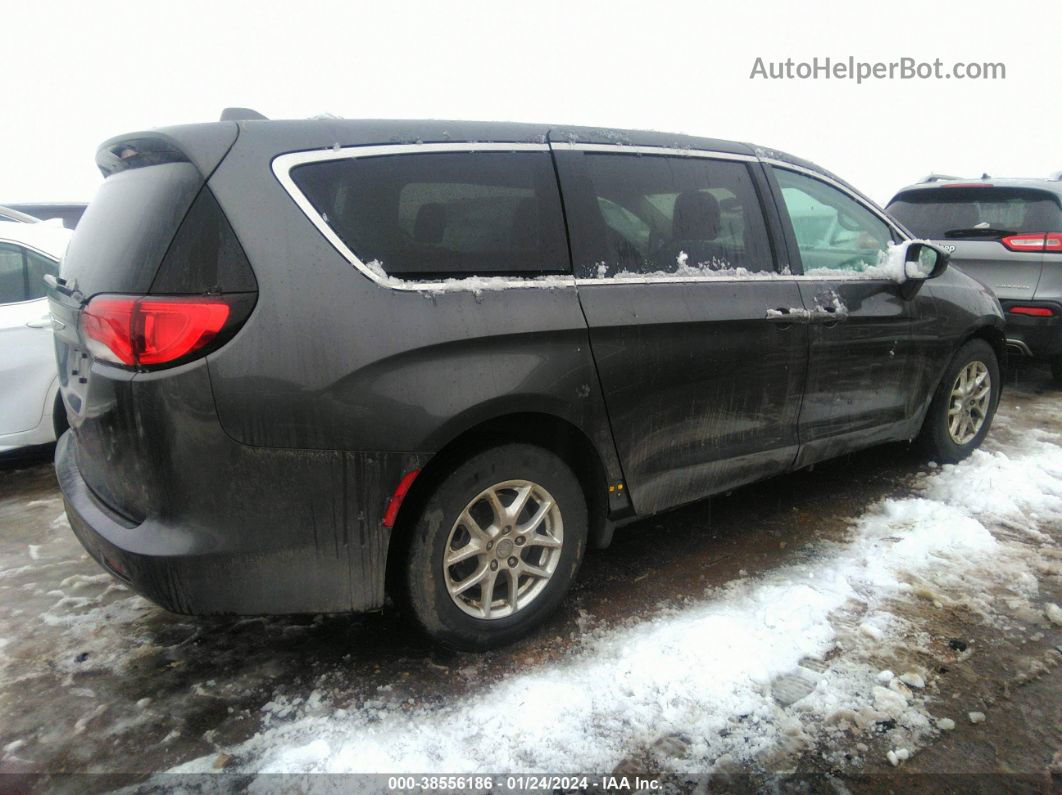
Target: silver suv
(1007,233)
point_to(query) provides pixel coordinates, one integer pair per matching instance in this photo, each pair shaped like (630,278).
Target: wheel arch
(549,431)
(994,336)
(60,421)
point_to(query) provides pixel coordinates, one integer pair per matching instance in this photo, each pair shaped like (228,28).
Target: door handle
(786,315)
(828,317)
(44,322)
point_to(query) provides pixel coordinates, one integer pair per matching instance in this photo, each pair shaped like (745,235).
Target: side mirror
(924,261)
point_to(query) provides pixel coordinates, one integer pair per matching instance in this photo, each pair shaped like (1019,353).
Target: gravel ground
(94,679)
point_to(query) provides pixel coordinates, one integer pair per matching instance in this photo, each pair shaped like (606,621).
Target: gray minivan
(1007,233)
(308,364)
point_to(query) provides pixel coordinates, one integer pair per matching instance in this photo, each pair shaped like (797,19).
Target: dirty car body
(400,294)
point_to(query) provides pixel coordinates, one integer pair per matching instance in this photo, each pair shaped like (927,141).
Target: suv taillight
(1032,311)
(157,331)
(1050,243)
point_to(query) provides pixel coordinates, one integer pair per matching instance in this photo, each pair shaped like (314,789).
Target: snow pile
(998,487)
(472,284)
(716,268)
(890,265)
(751,671)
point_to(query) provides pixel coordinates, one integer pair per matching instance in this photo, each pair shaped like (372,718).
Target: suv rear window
(976,212)
(446,214)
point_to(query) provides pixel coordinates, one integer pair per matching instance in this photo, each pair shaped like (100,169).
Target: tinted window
(971,213)
(447,214)
(832,229)
(128,227)
(12,274)
(662,215)
(36,267)
(22,274)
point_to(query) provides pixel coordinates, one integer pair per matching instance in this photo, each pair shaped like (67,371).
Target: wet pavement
(95,679)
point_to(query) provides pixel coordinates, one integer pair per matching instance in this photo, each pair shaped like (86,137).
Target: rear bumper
(270,562)
(1039,337)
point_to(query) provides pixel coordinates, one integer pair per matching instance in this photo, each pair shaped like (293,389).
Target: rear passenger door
(864,378)
(698,340)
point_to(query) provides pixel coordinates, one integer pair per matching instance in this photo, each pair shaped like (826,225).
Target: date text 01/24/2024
(521,783)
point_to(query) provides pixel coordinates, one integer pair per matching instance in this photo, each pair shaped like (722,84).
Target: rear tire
(512,515)
(1056,370)
(963,405)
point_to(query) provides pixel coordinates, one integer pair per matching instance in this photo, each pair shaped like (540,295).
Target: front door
(862,372)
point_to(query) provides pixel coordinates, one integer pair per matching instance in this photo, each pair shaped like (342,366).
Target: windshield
(976,212)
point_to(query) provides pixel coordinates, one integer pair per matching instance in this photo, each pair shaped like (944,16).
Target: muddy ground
(93,681)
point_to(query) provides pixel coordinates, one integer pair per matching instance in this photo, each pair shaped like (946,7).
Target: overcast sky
(77,73)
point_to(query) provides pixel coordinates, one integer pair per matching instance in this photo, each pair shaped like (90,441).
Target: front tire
(963,405)
(495,547)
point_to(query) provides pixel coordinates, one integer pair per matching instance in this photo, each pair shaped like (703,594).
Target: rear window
(444,214)
(972,213)
(127,228)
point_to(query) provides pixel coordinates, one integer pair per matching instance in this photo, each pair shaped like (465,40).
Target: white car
(31,411)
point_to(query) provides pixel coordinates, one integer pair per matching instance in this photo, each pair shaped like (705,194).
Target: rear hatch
(153,280)
(997,234)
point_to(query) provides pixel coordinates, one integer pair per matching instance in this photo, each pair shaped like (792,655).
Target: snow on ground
(751,674)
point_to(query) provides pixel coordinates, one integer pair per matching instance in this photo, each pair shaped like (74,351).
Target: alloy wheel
(971,396)
(503,549)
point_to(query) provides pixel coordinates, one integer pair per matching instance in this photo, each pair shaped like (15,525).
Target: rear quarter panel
(331,360)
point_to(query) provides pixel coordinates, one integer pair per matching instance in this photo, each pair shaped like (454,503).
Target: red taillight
(400,492)
(1049,243)
(149,331)
(1032,311)
(107,324)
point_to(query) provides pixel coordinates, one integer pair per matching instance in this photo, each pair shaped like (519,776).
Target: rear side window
(445,214)
(662,215)
(976,212)
(22,274)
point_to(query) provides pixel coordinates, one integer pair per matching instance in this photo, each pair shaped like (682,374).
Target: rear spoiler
(241,114)
(935,178)
(202,145)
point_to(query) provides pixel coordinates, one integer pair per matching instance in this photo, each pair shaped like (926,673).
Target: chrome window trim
(593,281)
(775,276)
(283,164)
(660,151)
(891,224)
(31,247)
